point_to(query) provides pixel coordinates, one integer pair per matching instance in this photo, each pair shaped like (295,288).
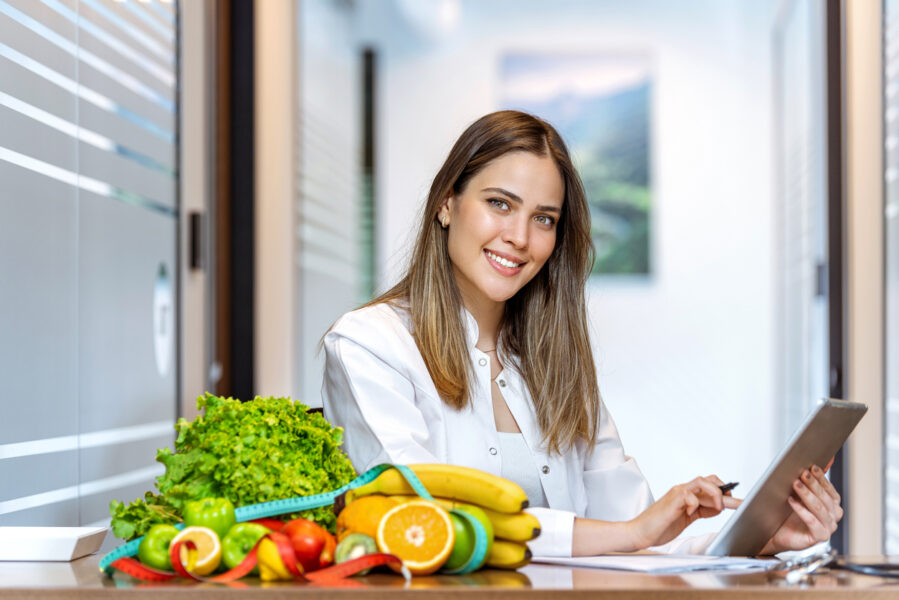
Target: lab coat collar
(471,328)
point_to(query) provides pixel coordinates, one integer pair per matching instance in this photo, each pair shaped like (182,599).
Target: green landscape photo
(601,106)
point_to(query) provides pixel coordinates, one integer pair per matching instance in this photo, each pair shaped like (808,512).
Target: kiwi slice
(353,546)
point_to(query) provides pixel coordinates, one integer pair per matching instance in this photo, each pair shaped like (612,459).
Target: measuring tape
(331,575)
(291,505)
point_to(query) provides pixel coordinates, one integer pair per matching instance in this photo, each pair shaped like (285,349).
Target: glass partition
(88,244)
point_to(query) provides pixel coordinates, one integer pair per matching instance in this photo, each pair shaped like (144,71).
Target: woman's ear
(443,213)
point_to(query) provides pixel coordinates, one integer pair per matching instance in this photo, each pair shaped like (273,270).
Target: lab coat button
(493,451)
(545,469)
(482,362)
(502,383)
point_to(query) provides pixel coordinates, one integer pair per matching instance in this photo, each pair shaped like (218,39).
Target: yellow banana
(450,481)
(508,555)
(517,527)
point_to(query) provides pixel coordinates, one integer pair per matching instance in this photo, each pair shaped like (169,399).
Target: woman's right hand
(665,519)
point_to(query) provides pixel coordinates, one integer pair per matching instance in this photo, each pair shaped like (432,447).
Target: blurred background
(194,191)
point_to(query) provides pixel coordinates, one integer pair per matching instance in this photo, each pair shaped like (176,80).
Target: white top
(518,467)
(377,388)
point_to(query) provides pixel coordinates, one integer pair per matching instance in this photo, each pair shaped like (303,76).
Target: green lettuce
(249,452)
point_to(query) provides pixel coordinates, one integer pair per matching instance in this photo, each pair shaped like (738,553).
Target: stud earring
(443,221)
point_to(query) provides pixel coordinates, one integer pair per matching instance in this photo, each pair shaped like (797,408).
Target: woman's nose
(516,232)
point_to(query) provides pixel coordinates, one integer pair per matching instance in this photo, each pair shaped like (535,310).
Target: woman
(481,357)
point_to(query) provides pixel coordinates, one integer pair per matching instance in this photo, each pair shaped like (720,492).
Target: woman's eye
(500,204)
(545,220)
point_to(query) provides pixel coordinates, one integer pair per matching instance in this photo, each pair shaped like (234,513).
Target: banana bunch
(453,486)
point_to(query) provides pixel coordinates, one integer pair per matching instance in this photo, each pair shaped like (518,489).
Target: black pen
(728,486)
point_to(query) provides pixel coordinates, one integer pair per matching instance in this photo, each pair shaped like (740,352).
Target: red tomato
(312,544)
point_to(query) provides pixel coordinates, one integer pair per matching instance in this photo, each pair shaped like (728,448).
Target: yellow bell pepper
(271,567)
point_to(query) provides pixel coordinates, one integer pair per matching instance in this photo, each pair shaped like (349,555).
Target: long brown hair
(544,327)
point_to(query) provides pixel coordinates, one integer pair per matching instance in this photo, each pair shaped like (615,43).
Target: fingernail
(816,470)
(805,475)
(799,485)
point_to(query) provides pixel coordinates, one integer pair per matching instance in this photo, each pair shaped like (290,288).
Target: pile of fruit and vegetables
(240,454)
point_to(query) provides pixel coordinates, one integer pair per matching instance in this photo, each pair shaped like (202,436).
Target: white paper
(661,563)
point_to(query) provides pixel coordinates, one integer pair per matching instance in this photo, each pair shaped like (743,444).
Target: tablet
(765,508)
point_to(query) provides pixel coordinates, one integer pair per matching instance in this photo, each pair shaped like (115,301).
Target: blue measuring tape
(479,552)
(291,505)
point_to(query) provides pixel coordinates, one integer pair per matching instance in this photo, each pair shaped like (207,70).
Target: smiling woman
(480,356)
(509,188)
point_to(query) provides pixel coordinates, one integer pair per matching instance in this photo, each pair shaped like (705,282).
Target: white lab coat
(377,388)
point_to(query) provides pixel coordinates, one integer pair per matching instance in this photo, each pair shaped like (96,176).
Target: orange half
(420,533)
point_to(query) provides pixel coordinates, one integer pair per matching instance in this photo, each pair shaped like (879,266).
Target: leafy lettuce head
(249,452)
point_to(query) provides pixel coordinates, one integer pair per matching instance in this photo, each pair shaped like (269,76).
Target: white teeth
(502,261)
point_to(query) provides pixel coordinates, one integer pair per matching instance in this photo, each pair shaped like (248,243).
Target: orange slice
(208,554)
(420,533)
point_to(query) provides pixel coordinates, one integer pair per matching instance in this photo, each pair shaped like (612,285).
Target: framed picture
(601,106)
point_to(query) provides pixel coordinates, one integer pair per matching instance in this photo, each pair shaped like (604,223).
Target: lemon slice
(206,558)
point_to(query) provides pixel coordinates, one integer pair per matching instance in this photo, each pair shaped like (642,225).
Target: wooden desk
(82,579)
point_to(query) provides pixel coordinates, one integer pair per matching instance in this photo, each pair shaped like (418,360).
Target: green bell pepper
(154,548)
(215,513)
(240,540)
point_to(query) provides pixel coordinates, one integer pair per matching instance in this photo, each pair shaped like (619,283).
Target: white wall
(686,357)
(274,271)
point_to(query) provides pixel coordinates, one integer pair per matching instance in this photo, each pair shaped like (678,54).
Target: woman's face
(502,227)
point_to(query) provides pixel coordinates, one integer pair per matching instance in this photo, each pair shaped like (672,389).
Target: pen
(728,486)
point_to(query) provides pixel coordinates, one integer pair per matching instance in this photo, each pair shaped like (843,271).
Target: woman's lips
(503,269)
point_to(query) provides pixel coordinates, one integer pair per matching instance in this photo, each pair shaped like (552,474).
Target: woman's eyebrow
(516,198)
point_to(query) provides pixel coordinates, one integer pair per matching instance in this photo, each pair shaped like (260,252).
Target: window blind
(328,182)
(891,260)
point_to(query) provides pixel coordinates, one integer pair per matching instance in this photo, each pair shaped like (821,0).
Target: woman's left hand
(816,512)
